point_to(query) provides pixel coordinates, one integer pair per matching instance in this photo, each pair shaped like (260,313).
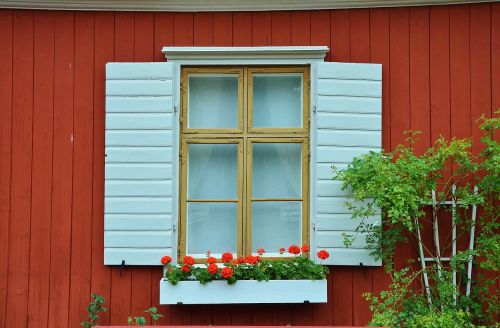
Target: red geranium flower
(188,260)
(185,268)
(294,249)
(240,260)
(166,259)
(282,250)
(261,251)
(323,255)
(227,257)
(212,268)
(226,272)
(252,259)
(305,248)
(211,260)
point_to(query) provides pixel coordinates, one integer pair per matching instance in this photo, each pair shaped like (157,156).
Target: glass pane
(276,170)
(277,101)
(213,171)
(213,102)
(211,226)
(276,225)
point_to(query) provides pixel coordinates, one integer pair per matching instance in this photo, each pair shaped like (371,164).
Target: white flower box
(244,291)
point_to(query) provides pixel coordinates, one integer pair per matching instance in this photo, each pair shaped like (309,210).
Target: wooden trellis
(453,202)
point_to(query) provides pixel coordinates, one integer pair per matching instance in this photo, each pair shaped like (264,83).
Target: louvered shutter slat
(349,124)
(138,169)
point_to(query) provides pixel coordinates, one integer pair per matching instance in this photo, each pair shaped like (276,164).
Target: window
(244,159)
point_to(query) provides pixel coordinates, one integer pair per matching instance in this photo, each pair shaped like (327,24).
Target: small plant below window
(248,268)
(153,313)
(95,307)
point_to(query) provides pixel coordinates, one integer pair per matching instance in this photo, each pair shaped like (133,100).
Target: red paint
(51,189)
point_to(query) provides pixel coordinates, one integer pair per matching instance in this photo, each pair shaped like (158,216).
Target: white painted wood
(341,222)
(139,71)
(350,256)
(348,104)
(348,121)
(129,154)
(139,179)
(138,188)
(348,124)
(135,256)
(138,239)
(131,205)
(123,104)
(137,222)
(139,121)
(138,171)
(245,55)
(139,138)
(244,292)
(138,87)
(218,5)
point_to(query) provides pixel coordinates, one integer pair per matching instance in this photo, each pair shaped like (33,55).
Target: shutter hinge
(176,109)
(314,226)
(314,108)
(174,227)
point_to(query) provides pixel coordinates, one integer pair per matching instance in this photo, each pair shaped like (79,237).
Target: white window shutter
(139,178)
(349,123)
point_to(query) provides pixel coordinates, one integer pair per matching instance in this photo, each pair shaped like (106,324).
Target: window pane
(211,226)
(213,171)
(276,170)
(277,101)
(275,225)
(213,102)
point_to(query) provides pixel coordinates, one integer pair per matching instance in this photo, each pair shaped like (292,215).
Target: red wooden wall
(441,70)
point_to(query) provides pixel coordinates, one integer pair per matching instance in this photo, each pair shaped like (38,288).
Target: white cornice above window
(217,5)
(245,55)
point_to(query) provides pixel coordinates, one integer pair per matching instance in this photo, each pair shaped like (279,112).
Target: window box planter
(244,292)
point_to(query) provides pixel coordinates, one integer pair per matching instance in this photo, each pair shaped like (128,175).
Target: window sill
(244,292)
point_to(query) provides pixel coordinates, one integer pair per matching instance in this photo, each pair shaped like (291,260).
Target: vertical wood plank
(460,71)
(20,214)
(261,28)
(6,21)
(124,36)
(121,280)
(156,275)
(242,29)
(480,70)
(144,37)
(103,53)
(82,168)
(203,29)
(302,25)
(62,178)
(342,296)
(223,29)
(440,72)
(340,31)
(43,99)
(419,76)
(320,30)
(183,29)
(400,96)
(280,28)
(164,33)
(495,60)
(359,26)
(379,53)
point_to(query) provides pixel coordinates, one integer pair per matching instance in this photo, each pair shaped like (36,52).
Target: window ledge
(244,292)
(245,55)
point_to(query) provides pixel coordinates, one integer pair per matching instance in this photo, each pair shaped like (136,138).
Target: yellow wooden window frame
(245,135)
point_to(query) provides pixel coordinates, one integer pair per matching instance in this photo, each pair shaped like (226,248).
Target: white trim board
(245,55)
(218,5)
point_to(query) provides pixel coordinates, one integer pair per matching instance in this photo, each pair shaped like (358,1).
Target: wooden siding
(441,71)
